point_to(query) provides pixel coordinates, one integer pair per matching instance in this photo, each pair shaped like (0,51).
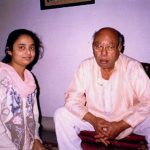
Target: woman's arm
(5,141)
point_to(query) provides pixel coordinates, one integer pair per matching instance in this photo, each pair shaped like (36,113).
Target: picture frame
(51,4)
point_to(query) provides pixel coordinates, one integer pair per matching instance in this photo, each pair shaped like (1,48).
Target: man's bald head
(117,35)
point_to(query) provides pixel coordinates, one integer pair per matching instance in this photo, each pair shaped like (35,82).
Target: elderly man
(110,93)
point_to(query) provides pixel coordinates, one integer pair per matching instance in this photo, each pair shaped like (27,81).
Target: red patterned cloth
(131,142)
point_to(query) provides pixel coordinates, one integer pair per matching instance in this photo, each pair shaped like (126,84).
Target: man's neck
(106,73)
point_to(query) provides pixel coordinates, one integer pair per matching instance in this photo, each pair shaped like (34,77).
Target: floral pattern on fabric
(30,118)
(18,109)
(20,121)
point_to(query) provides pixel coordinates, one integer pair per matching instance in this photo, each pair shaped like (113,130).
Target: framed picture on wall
(50,4)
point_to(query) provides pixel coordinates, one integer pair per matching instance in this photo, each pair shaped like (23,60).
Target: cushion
(134,142)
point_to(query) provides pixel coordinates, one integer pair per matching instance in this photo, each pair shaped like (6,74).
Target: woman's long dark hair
(13,36)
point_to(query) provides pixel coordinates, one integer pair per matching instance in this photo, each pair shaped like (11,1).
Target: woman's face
(23,51)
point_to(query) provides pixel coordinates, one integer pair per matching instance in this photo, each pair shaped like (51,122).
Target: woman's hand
(37,145)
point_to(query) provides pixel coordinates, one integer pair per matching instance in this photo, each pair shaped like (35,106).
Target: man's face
(106,49)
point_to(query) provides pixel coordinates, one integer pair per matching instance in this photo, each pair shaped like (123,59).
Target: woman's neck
(19,69)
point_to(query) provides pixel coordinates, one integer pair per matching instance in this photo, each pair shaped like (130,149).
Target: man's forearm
(89,117)
(123,125)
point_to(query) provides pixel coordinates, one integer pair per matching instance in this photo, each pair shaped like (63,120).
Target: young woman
(18,104)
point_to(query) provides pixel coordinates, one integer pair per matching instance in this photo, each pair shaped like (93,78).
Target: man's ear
(120,47)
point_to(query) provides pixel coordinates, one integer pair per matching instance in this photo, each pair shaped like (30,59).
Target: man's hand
(99,125)
(105,130)
(115,128)
(112,130)
(37,145)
